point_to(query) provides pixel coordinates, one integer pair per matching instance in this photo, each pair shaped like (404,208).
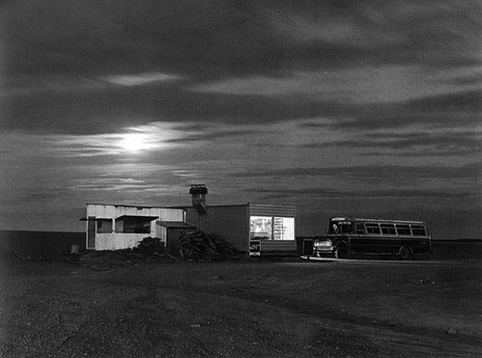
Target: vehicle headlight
(323,243)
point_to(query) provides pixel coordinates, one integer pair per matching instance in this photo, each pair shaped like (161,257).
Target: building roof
(175,225)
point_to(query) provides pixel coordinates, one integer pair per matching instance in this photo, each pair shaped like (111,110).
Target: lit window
(261,227)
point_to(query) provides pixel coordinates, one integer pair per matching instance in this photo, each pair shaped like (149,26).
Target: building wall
(230,223)
(118,240)
(101,211)
(272,210)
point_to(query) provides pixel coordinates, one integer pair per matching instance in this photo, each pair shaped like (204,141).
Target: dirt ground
(248,308)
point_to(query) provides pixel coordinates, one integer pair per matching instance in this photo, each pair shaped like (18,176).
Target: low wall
(51,245)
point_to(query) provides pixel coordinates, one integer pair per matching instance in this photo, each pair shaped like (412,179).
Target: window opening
(388,229)
(419,230)
(403,230)
(104,226)
(372,228)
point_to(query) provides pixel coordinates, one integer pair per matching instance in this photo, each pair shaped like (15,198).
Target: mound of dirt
(203,247)
(198,246)
(150,249)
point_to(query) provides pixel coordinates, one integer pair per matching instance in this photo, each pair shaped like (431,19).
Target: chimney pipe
(198,192)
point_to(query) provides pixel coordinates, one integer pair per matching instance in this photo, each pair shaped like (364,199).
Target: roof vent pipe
(198,192)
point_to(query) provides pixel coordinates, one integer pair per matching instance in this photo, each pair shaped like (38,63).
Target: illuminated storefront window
(261,227)
(272,228)
(283,228)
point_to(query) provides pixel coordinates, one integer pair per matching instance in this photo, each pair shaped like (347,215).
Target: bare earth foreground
(249,308)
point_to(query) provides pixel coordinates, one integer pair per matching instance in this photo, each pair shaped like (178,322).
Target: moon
(134,142)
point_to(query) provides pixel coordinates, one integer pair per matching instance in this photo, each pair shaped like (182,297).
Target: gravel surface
(249,308)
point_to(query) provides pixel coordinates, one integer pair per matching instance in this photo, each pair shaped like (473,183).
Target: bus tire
(405,252)
(341,251)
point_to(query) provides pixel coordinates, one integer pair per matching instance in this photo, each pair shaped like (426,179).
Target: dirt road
(286,308)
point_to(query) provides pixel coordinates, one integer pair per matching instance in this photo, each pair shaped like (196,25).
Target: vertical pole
(91,232)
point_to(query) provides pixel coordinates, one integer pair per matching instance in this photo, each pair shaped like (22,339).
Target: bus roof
(346,218)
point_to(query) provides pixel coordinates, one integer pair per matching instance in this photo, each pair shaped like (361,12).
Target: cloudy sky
(343,107)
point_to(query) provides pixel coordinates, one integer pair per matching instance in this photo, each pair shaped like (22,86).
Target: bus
(354,236)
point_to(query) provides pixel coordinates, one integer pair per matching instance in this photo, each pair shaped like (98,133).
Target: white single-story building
(257,229)
(114,227)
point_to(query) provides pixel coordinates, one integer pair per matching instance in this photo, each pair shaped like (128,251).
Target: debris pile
(199,246)
(192,247)
(149,249)
(151,246)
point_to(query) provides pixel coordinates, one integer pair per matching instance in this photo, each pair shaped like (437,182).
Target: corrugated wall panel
(278,246)
(272,210)
(117,241)
(101,211)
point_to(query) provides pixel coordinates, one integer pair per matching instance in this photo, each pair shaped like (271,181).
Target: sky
(366,108)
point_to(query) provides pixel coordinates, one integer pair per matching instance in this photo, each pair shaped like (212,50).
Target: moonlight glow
(135,142)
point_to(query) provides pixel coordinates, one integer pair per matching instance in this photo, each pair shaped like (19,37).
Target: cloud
(217,38)
(360,85)
(126,141)
(399,32)
(421,144)
(140,79)
(392,193)
(464,102)
(93,68)
(124,36)
(214,134)
(331,27)
(106,111)
(396,177)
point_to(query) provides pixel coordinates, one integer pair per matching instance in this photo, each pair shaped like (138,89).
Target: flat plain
(248,308)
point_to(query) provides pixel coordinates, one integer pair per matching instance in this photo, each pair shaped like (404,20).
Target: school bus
(355,236)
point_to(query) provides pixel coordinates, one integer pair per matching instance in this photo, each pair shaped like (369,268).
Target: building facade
(115,227)
(257,229)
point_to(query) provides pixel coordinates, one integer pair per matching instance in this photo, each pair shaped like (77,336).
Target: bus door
(343,231)
(357,238)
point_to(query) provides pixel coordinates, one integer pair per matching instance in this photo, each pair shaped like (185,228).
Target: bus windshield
(340,227)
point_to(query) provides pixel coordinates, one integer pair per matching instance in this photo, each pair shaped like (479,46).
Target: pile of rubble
(193,247)
(199,246)
(150,249)
(151,246)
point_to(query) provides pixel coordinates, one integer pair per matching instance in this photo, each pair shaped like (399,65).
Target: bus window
(344,227)
(359,229)
(388,229)
(418,230)
(372,228)
(403,230)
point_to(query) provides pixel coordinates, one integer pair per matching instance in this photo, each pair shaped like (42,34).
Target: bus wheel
(341,251)
(405,252)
